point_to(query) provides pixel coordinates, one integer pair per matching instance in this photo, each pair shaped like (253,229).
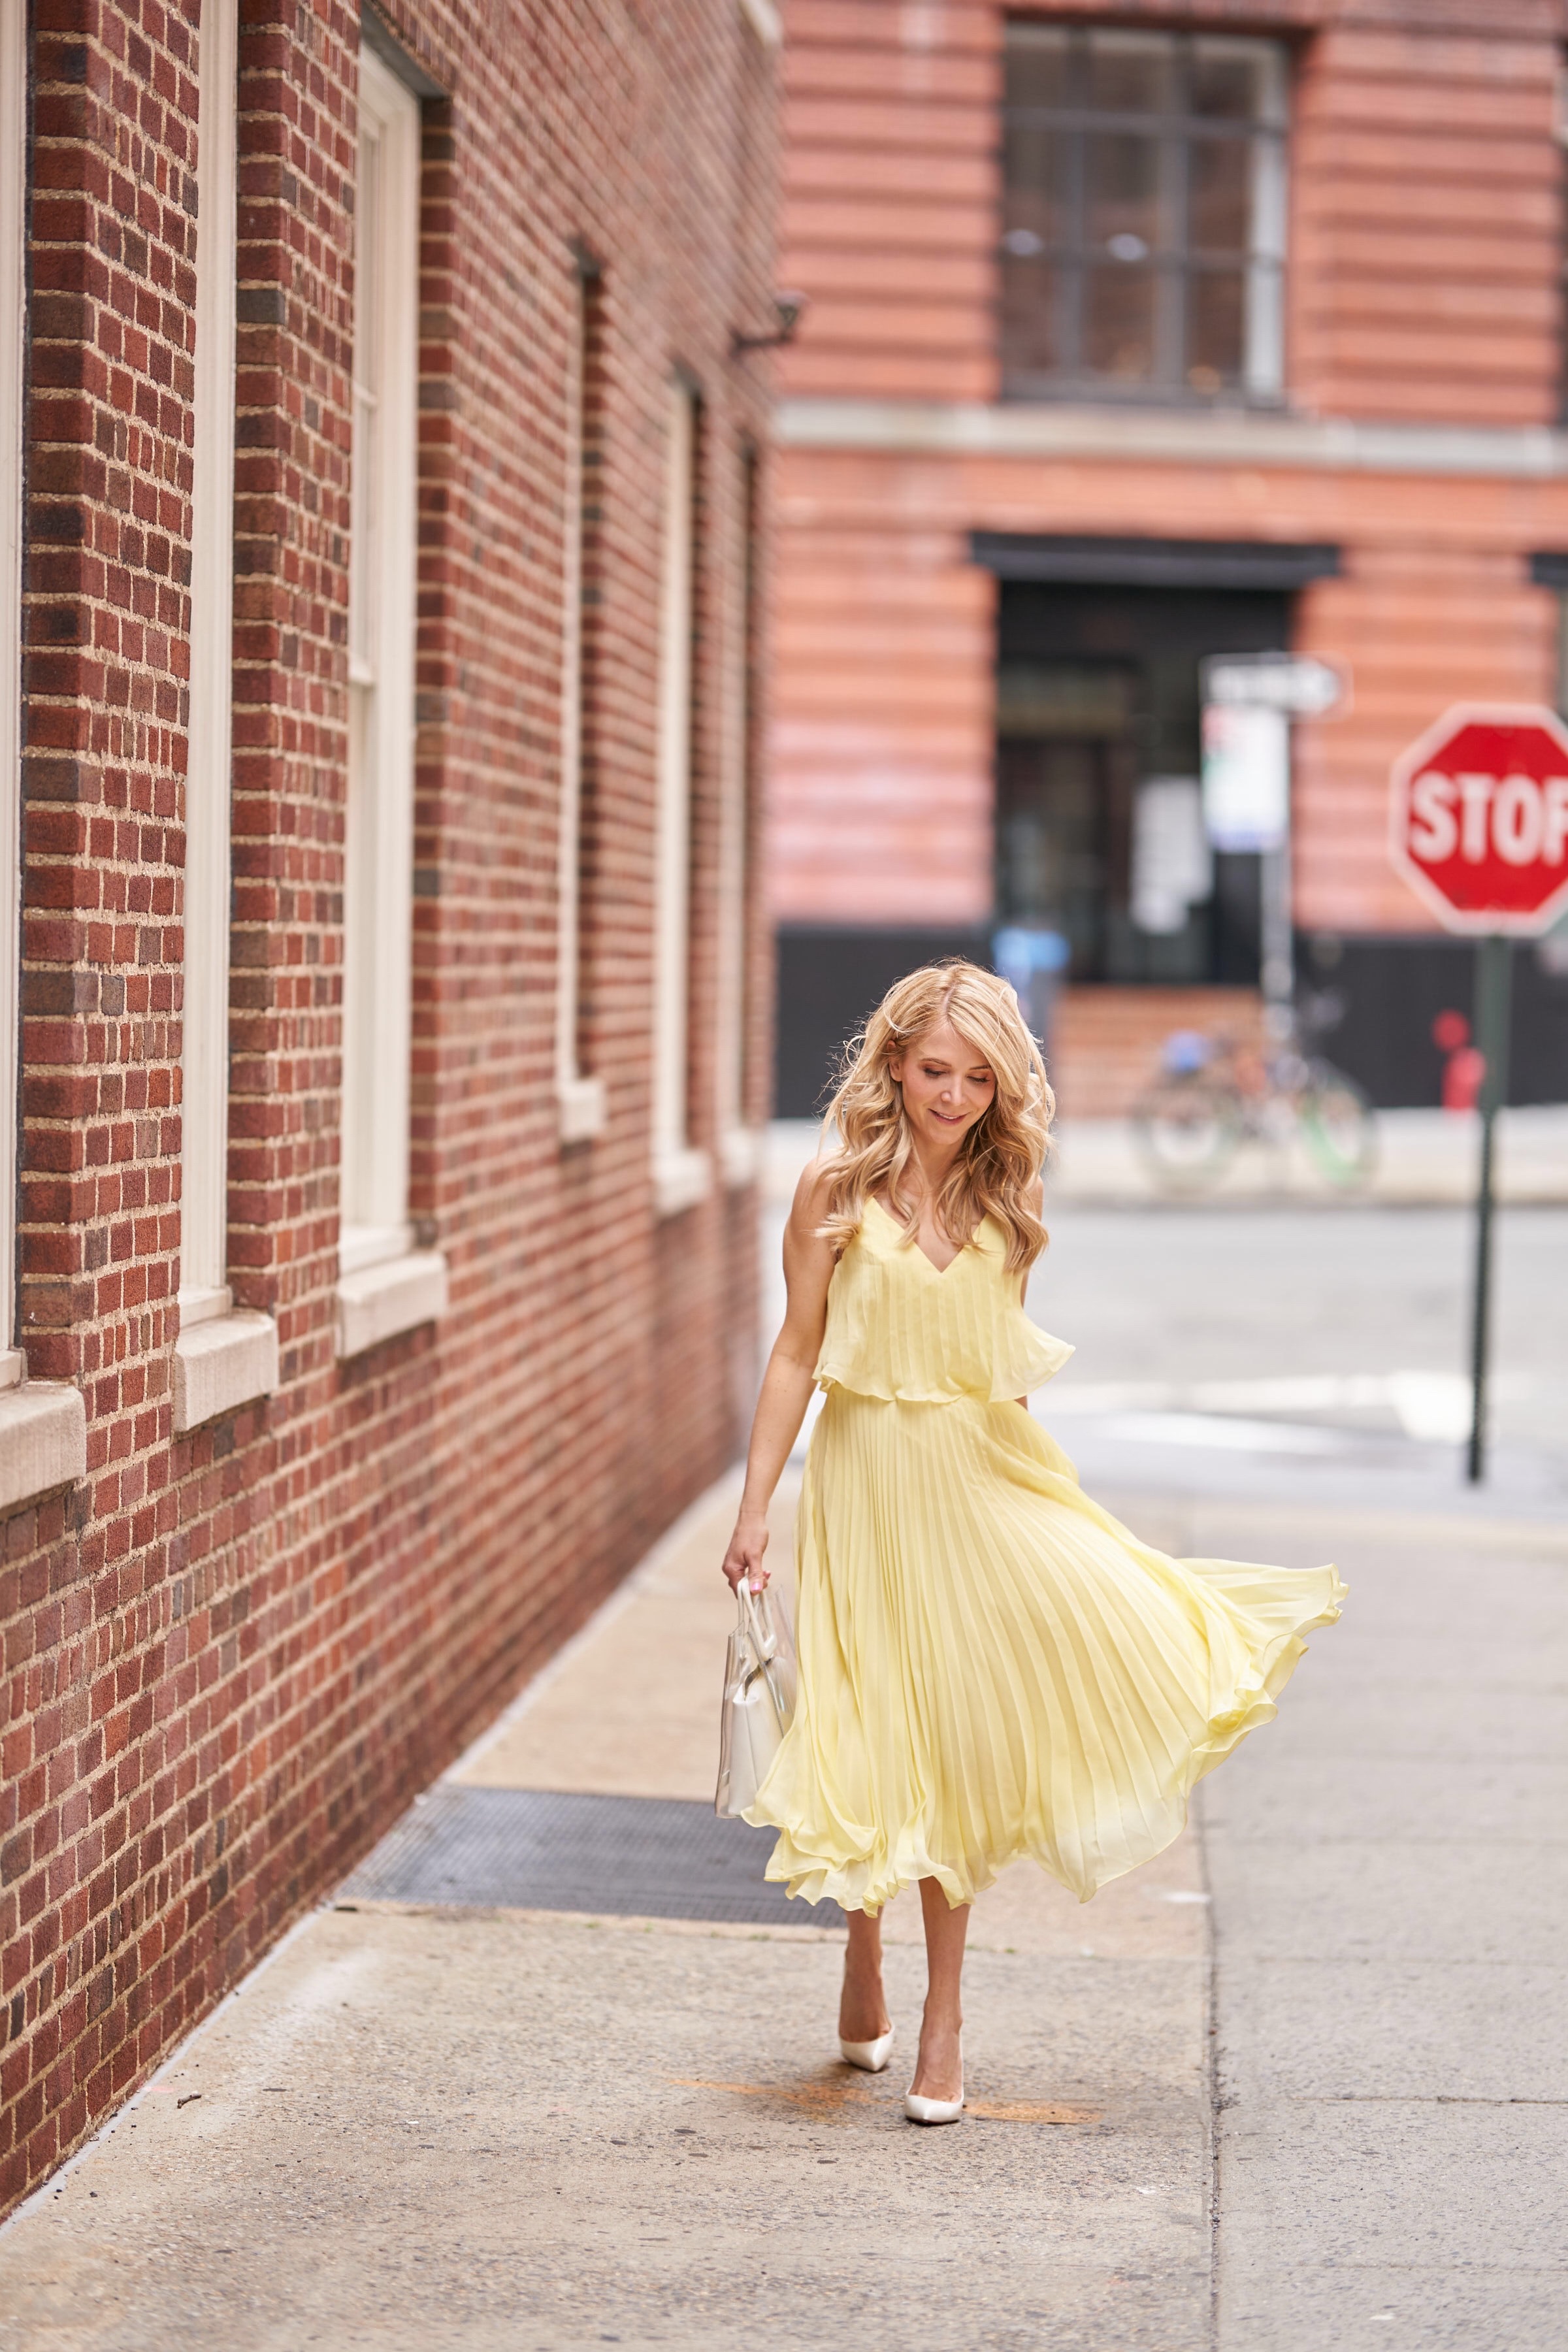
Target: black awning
(1085,561)
(1549,567)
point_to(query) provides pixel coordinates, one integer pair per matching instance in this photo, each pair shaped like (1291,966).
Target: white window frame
(223,1358)
(739,1145)
(682,1174)
(13,339)
(203,1172)
(581,1100)
(43,1424)
(385,1283)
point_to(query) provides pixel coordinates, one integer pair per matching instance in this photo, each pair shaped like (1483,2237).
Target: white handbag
(759,1698)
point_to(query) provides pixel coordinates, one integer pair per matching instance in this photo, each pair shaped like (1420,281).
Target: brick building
(1139,334)
(378,531)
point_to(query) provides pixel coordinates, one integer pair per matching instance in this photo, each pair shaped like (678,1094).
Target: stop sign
(1479,818)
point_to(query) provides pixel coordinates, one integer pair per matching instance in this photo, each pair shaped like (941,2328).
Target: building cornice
(1214,437)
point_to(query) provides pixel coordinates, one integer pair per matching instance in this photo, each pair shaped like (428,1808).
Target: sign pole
(1278,939)
(1478,828)
(1494,992)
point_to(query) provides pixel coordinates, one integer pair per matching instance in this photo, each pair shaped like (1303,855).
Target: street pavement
(1301,2083)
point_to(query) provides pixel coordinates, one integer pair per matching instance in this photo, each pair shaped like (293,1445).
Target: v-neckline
(941,1272)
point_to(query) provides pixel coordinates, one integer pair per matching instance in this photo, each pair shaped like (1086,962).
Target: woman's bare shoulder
(809,1206)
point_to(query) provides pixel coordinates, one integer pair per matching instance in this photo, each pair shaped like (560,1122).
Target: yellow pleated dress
(990,1666)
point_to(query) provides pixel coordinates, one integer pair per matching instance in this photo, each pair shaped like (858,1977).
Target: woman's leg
(862,2012)
(939,2072)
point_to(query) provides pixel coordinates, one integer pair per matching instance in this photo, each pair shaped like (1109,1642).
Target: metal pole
(1494,989)
(1275,941)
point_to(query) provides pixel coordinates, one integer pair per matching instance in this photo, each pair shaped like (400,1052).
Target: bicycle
(1215,1093)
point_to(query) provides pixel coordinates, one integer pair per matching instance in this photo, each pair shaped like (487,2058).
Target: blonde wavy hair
(998,1166)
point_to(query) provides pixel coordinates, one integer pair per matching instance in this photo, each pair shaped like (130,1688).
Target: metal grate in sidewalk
(653,1857)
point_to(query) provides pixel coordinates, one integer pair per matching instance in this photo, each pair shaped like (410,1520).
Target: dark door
(1098,760)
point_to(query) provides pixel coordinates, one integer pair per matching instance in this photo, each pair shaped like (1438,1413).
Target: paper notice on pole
(1246,777)
(1173,869)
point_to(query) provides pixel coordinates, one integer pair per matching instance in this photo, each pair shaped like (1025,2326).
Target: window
(13,150)
(737,1142)
(43,1424)
(221,1359)
(203,1218)
(580,1097)
(1144,230)
(681,1174)
(386,1286)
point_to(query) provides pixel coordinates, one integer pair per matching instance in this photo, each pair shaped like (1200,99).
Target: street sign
(1478,828)
(1247,775)
(1297,684)
(1479,818)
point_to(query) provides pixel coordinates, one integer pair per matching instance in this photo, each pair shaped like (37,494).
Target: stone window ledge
(222,1363)
(43,1441)
(376,1302)
(680,1178)
(582,1108)
(741,1155)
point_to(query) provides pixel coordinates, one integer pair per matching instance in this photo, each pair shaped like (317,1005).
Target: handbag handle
(752,1622)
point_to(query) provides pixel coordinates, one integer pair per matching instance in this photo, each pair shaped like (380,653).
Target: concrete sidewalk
(418,2126)
(425,2125)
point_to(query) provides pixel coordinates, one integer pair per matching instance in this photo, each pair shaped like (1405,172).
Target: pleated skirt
(992,1666)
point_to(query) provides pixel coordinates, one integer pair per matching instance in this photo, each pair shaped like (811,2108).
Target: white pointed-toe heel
(932,2111)
(936,2111)
(872,2056)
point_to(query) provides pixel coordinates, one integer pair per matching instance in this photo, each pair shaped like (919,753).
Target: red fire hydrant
(1464,1068)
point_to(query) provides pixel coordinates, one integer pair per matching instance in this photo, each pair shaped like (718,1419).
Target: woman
(990,1665)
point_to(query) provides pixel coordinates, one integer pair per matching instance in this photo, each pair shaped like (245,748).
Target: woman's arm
(1024,1278)
(808,1262)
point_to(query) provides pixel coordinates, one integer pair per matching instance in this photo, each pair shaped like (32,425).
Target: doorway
(1098,831)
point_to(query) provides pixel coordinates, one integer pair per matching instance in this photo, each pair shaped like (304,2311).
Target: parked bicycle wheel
(1338,1126)
(1187,1130)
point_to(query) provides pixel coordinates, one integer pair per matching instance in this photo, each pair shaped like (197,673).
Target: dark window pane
(1129,73)
(1035,164)
(1219,216)
(1037,66)
(1216,312)
(1228,85)
(1118,323)
(1031,314)
(1122,189)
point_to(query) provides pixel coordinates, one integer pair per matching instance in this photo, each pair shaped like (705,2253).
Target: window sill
(362,1246)
(220,1364)
(766,22)
(43,1441)
(680,1178)
(741,1155)
(377,1302)
(582,1108)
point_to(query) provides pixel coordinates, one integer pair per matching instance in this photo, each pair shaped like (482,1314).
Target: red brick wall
(1422,287)
(883,702)
(231,1657)
(1427,227)
(1104,1041)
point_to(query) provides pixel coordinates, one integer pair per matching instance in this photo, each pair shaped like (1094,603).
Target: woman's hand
(745,1557)
(808,1264)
